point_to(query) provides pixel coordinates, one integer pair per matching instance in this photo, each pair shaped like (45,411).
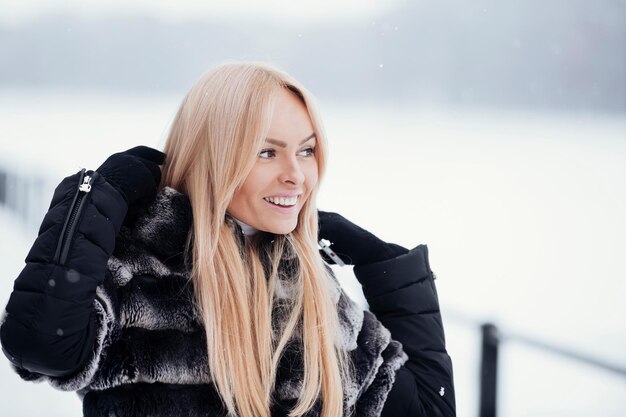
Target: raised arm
(399,287)
(50,325)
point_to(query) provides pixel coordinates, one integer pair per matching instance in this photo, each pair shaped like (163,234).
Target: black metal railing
(24,195)
(492,337)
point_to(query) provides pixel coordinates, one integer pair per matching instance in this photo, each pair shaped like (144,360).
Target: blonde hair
(213,144)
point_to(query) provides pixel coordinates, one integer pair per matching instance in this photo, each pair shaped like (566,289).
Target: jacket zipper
(69,229)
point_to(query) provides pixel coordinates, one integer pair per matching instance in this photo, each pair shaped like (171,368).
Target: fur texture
(150,355)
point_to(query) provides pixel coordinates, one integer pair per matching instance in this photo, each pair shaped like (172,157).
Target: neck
(246,228)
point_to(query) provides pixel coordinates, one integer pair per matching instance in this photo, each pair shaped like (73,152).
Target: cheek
(311,177)
(252,185)
(244,196)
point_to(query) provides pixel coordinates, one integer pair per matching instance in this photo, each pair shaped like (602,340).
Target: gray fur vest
(150,356)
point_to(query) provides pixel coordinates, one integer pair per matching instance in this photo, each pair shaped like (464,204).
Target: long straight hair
(213,144)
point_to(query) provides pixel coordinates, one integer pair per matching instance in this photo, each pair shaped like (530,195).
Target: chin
(282,229)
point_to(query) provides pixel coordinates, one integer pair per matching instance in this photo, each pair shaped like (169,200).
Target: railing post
(489,370)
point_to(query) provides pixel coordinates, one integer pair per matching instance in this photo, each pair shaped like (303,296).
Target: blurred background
(492,131)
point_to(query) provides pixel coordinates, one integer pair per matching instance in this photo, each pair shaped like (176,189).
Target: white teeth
(282,201)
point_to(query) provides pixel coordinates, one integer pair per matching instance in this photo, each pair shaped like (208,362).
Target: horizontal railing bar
(580,357)
(465,320)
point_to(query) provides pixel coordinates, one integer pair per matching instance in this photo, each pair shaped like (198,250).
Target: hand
(353,244)
(136,175)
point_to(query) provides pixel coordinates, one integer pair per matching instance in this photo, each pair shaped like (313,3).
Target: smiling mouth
(282,201)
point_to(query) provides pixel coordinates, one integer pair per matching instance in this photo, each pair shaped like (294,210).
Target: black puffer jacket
(91,297)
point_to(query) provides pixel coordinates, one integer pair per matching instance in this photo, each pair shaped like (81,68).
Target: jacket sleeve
(59,313)
(401,293)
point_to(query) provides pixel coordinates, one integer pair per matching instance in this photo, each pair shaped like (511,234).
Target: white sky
(14,12)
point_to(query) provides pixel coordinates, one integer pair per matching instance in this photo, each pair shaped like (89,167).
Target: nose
(291,172)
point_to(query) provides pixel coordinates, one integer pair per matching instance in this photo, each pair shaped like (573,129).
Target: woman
(197,289)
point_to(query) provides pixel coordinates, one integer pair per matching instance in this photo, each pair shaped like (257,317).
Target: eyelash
(310,150)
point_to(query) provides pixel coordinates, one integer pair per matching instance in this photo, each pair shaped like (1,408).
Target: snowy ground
(524,215)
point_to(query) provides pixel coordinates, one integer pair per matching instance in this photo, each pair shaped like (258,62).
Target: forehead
(290,120)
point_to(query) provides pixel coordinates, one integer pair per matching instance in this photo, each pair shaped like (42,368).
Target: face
(284,173)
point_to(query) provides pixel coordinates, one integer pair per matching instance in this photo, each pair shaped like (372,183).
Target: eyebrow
(284,145)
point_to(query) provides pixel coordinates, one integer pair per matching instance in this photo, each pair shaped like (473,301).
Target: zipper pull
(85,186)
(324,245)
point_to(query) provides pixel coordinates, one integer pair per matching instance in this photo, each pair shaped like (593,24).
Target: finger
(153,168)
(148,153)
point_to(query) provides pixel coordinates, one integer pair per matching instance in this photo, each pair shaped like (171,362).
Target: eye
(267,153)
(310,151)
